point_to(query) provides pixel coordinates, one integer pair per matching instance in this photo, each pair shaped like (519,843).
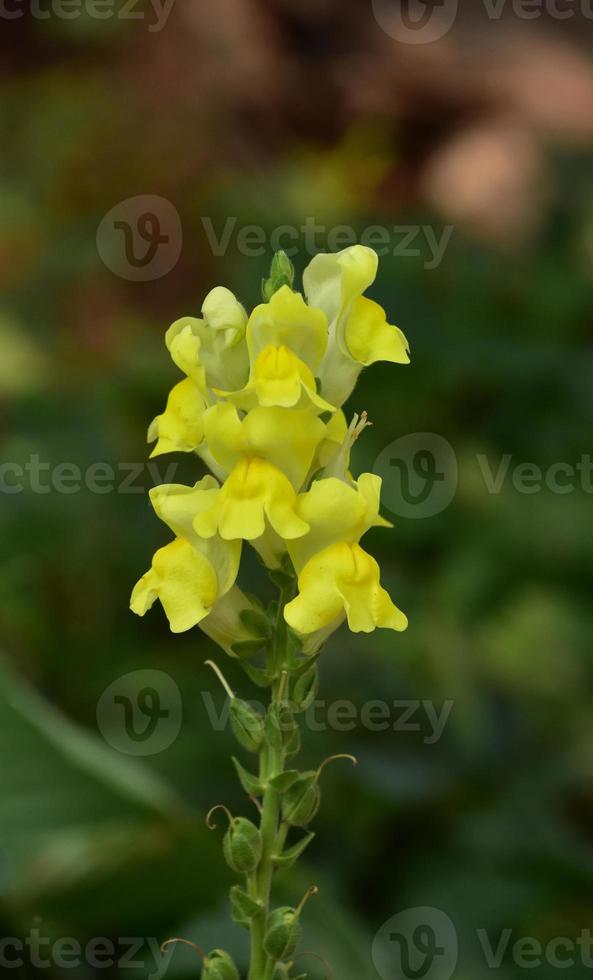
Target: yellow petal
(333,280)
(254,491)
(287,321)
(183,343)
(343,578)
(180,427)
(178,506)
(288,438)
(335,283)
(183,580)
(370,338)
(279,379)
(335,511)
(212,350)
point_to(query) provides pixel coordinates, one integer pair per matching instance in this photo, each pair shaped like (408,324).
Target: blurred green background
(270,113)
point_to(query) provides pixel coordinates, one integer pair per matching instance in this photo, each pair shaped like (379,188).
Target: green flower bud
(218,965)
(301,802)
(283,931)
(247,725)
(281,274)
(242,845)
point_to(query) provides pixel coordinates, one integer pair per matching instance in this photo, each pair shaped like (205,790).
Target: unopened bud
(283,929)
(281,274)
(218,965)
(242,846)
(247,725)
(301,802)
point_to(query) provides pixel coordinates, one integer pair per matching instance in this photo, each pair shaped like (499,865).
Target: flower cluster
(260,404)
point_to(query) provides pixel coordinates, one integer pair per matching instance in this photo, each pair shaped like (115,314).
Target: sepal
(251,784)
(243,907)
(292,854)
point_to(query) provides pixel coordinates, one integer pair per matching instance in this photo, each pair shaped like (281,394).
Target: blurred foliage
(493,822)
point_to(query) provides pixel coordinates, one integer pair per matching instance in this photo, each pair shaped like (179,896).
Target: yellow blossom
(179,428)
(287,438)
(212,350)
(359,333)
(254,494)
(342,581)
(184,581)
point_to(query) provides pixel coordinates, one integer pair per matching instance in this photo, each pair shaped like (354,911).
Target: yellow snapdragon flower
(286,341)
(260,404)
(359,334)
(342,581)
(191,573)
(211,350)
(336,578)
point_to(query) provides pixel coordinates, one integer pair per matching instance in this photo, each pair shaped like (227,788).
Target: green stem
(271,764)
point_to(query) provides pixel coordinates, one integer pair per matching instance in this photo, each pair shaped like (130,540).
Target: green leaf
(292,854)
(243,906)
(251,784)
